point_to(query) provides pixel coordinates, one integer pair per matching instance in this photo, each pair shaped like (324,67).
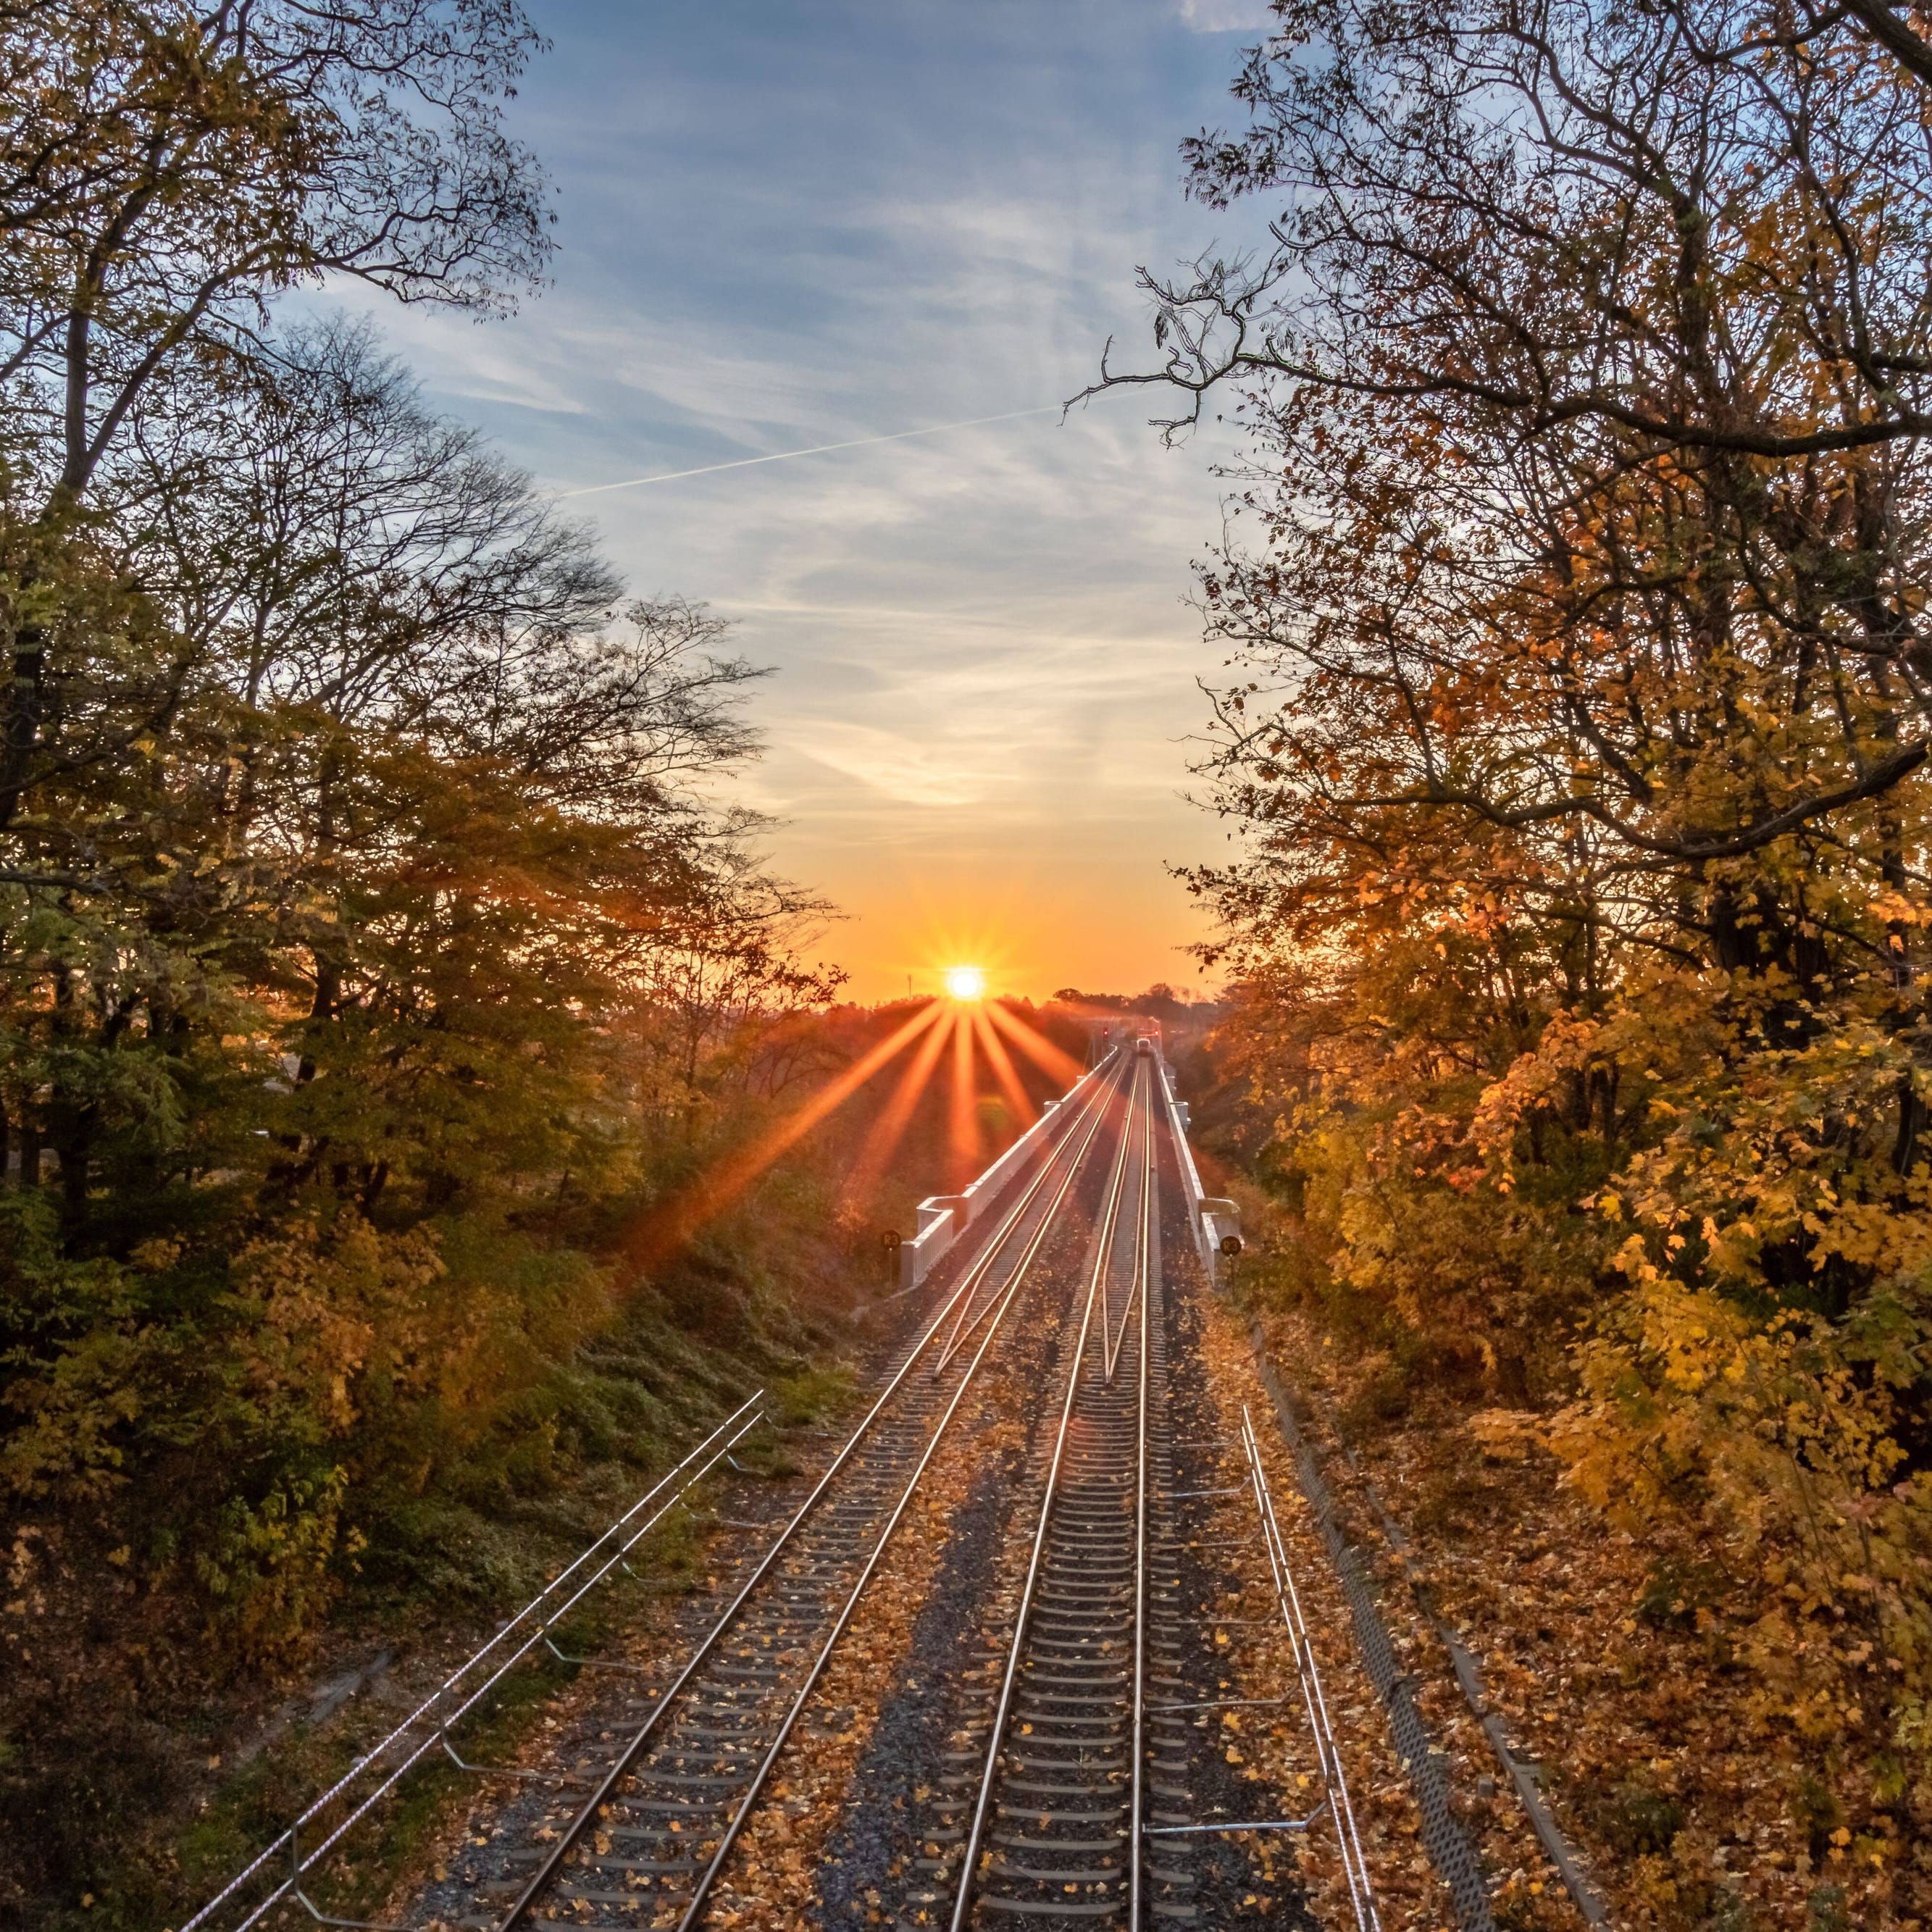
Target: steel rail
(710,1452)
(1110,1222)
(1002,1710)
(1138,1280)
(560,1848)
(1354,1865)
(1143,1284)
(701,1897)
(301,1864)
(962,1329)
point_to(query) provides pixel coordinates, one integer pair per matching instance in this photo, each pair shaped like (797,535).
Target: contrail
(817,449)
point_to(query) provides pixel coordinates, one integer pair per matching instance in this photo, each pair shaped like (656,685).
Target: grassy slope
(144,1771)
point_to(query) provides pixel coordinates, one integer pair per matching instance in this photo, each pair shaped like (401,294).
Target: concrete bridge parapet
(943,1218)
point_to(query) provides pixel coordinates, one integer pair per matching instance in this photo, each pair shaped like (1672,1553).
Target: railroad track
(1049,1832)
(1090,1784)
(647,1844)
(1071,1773)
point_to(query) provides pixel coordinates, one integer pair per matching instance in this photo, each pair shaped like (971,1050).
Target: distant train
(1143,1044)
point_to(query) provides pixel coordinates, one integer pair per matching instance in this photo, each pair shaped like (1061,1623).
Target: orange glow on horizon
(972,1028)
(964,959)
(1002,1063)
(889,1130)
(1035,1045)
(964,1135)
(668,1227)
(965,983)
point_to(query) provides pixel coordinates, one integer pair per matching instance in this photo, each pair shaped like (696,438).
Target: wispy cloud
(827,226)
(814,449)
(905,769)
(1227,16)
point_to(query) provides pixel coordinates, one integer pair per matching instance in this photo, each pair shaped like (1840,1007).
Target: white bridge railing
(943,1218)
(1217,1222)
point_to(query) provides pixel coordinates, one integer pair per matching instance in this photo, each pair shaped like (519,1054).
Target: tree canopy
(1575,719)
(377,940)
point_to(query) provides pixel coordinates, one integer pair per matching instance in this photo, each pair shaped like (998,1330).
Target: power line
(817,449)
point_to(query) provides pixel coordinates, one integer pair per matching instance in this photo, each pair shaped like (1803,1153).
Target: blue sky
(784,226)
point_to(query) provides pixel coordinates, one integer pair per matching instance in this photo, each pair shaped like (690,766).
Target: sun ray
(1034,1044)
(963,1136)
(670,1225)
(1002,1063)
(889,1130)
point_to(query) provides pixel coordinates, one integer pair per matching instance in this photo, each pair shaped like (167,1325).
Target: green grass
(457,1537)
(795,1402)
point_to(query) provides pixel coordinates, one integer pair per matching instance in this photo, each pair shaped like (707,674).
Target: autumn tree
(379,943)
(1576,718)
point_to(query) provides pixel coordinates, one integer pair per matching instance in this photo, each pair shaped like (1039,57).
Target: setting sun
(965,983)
